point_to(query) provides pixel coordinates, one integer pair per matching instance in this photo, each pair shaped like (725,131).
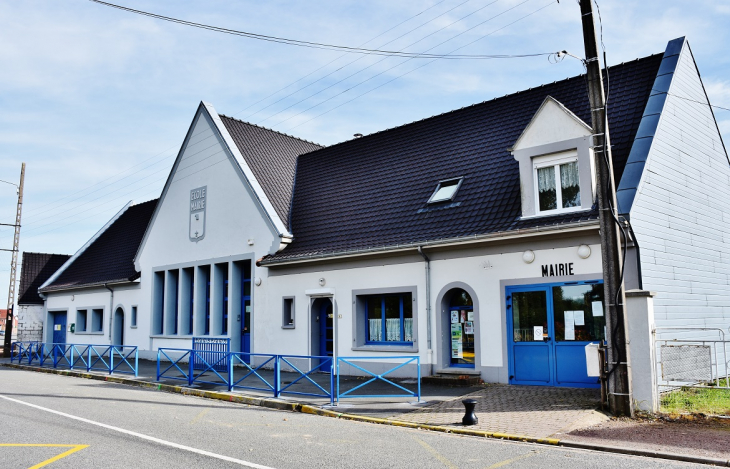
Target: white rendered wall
(233,217)
(486,274)
(95,298)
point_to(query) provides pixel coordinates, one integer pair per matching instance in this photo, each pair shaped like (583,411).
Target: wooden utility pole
(14,268)
(619,386)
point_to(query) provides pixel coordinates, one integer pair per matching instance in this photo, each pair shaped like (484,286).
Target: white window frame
(458,180)
(554,160)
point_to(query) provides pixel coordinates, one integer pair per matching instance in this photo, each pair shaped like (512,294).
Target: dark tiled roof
(366,193)
(110,258)
(37,268)
(272,157)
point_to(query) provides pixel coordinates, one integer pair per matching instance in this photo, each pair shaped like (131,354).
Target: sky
(97,101)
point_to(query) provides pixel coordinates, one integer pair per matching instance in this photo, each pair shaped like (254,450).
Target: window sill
(291,326)
(556,212)
(386,348)
(133,327)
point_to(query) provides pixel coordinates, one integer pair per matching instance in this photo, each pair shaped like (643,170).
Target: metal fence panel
(686,363)
(208,352)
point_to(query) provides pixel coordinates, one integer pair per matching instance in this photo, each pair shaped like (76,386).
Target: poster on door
(454,317)
(469,328)
(457,350)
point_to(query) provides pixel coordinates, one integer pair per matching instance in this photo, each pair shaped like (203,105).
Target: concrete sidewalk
(525,413)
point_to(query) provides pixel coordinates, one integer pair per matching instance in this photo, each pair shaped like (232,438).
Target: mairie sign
(197,213)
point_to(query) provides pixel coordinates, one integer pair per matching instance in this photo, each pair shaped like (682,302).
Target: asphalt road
(62,422)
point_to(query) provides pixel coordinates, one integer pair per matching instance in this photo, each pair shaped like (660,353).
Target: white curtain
(376,329)
(408,326)
(570,184)
(546,179)
(392,330)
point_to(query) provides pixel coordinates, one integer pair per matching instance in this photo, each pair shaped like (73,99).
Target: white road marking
(142,436)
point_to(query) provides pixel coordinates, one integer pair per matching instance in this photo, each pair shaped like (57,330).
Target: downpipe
(428,309)
(111,312)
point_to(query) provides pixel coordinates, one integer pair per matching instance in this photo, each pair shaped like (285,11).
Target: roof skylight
(446,190)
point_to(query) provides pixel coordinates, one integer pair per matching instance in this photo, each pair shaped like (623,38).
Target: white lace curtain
(569,175)
(546,179)
(392,330)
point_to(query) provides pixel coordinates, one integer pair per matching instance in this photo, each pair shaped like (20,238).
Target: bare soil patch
(706,437)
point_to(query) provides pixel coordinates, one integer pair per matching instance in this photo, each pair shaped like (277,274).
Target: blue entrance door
(59,327)
(326,328)
(548,328)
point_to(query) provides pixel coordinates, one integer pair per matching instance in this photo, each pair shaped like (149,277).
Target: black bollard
(470,417)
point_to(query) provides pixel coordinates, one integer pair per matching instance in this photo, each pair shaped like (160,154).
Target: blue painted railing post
(418,364)
(136,362)
(88,357)
(230,372)
(277,376)
(158,364)
(332,382)
(111,359)
(72,356)
(338,379)
(191,360)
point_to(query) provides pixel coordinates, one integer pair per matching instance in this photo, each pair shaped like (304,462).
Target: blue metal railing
(379,377)
(248,371)
(324,366)
(253,372)
(109,358)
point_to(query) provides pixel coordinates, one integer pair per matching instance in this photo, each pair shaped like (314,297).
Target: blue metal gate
(210,353)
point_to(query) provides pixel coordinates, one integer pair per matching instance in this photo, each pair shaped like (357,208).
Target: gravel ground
(699,437)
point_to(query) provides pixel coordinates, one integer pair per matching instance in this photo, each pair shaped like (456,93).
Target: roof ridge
(45,253)
(508,95)
(271,130)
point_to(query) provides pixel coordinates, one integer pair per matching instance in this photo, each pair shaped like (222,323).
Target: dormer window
(445,190)
(557,182)
(556,164)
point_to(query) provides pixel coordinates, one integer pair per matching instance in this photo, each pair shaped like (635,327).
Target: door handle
(545,339)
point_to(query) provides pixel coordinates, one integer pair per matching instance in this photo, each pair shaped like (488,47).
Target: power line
(410,71)
(362,56)
(316,45)
(689,99)
(201,169)
(65,201)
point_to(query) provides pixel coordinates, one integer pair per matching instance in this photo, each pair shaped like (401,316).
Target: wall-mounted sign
(557,270)
(198,199)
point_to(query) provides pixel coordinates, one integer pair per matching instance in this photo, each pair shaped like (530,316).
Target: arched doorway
(460,317)
(118,329)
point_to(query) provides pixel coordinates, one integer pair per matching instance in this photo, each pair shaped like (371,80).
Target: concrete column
(642,350)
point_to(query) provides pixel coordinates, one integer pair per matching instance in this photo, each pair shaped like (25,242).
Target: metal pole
(619,386)
(13,268)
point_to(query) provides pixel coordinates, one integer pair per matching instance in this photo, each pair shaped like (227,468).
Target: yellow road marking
(435,453)
(200,415)
(510,461)
(73,449)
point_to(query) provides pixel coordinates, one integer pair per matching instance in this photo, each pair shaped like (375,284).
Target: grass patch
(707,400)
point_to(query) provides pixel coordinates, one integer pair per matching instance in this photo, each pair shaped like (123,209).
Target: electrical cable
(64,200)
(246,118)
(411,71)
(315,45)
(434,59)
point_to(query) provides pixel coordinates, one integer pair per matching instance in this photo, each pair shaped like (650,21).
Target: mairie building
(469,239)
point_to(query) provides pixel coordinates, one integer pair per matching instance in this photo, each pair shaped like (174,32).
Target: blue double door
(59,327)
(548,327)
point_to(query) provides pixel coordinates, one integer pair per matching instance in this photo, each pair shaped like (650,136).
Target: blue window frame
(207,308)
(224,328)
(389,319)
(192,304)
